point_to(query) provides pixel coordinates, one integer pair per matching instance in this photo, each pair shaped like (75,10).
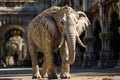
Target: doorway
(115,37)
(97,41)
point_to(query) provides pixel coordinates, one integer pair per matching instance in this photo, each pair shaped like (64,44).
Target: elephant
(56,28)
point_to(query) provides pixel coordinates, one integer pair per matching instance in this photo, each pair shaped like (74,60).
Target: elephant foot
(65,76)
(36,76)
(44,75)
(52,76)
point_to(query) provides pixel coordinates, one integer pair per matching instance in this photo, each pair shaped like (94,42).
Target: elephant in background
(53,29)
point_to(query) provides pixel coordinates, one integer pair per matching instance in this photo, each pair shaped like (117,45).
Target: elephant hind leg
(34,60)
(44,71)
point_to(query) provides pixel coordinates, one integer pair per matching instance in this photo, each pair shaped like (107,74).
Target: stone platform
(77,74)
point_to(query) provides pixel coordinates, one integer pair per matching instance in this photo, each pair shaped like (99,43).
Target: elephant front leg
(65,71)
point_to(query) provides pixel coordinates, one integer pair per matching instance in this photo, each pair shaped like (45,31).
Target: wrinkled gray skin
(55,28)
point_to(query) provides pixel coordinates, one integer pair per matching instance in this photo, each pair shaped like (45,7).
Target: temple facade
(102,38)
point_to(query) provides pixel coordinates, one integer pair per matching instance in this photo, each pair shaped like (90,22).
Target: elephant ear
(49,23)
(83,22)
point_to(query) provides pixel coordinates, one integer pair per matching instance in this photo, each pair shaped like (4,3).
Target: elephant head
(70,25)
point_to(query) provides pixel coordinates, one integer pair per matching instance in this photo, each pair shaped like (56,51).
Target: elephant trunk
(71,41)
(72,36)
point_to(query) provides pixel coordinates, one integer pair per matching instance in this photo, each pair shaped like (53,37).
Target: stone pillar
(3,54)
(11,20)
(19,20)
(85,5)
(76,4)
(118,62)
(0,51)
(7,20)
(105,54)
(87,56)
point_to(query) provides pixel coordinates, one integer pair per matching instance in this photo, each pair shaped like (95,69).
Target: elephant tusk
(79,41)
(62,41)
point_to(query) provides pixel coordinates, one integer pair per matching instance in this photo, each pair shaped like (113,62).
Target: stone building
(102,38)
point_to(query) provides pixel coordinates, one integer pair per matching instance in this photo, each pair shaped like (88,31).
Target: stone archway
(13,32)
(115,37)
(6,28)
(8,31)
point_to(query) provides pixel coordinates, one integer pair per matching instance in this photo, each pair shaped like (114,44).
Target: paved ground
(77,74)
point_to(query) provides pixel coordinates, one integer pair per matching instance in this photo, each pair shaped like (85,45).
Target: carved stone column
(7,20)
(87,56)
(106,55)
(3,53)
(85,5)
(19,20)
(118,62)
